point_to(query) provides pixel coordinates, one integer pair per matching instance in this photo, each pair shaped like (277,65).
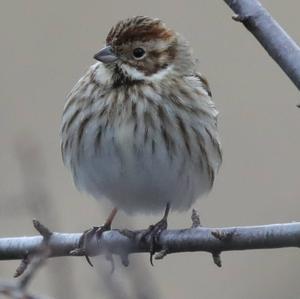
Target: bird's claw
(152,234)
(84,247)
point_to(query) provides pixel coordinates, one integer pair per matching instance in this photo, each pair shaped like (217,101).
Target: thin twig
(280,46)
(195,219)
(13,290)
(217,259)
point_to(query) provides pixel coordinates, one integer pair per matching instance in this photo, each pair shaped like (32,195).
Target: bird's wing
(204,83)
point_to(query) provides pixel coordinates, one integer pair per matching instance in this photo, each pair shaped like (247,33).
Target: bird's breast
(141,150)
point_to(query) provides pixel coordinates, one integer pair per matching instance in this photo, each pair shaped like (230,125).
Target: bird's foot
(84,245)
(152,234)
(85,241)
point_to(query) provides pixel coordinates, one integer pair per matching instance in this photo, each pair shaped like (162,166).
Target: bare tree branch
(280,46)
(14,291)
(213,240)
(30,263)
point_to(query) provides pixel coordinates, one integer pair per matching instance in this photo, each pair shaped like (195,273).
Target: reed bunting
(140,128)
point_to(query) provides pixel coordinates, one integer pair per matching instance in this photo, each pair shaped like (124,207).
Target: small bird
(140,128)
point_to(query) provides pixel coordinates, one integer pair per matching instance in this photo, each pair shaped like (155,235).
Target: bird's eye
(138,53)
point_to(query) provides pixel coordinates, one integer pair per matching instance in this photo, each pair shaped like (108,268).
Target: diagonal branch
(212,240)
(280,46)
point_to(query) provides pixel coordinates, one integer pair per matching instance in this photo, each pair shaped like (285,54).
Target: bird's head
(143,48)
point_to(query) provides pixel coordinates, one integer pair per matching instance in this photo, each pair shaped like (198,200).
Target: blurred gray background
(47,45)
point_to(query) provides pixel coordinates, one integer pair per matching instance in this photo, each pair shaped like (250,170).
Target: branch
(270,34)
(212,240)
(31,262)
(14,291)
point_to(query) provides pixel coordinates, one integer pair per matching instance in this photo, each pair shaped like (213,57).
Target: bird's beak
(106,55)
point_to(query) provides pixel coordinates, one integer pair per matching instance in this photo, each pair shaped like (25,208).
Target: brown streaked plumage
(140,29)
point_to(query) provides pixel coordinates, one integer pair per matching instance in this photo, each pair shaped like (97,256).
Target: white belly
(139,178)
